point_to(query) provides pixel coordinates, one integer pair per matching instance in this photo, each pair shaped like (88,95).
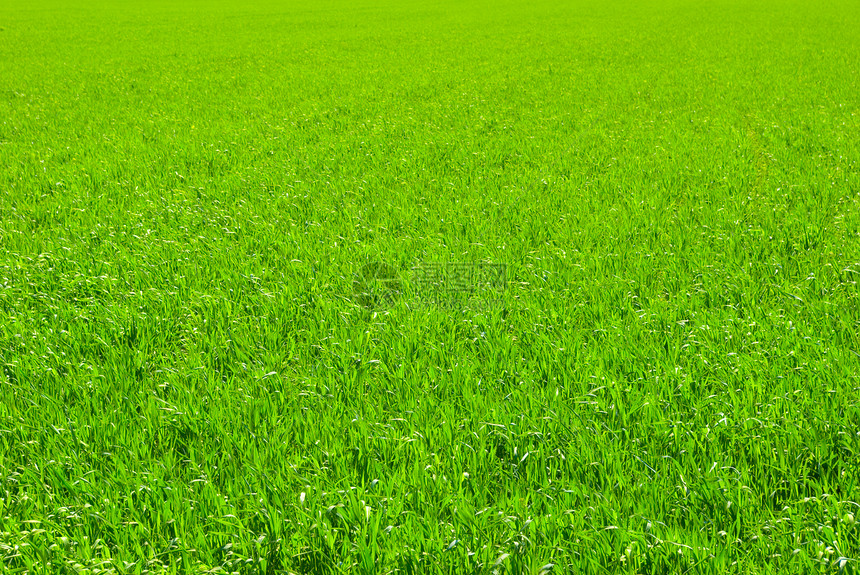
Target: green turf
(668,383)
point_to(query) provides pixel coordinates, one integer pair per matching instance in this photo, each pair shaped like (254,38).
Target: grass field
(193,379)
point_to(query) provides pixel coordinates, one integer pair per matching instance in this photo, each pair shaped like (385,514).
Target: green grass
(189,381)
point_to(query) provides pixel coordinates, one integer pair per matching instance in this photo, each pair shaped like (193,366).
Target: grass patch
(200,373)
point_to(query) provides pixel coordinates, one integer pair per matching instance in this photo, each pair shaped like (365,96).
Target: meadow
(193,378)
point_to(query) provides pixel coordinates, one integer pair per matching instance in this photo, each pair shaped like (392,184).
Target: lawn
(220,350)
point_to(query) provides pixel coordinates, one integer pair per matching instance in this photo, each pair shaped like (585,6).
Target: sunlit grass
(191,381)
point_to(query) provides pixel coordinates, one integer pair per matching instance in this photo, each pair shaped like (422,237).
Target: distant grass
(189,382)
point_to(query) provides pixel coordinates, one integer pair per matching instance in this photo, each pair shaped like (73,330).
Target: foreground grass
(670,385)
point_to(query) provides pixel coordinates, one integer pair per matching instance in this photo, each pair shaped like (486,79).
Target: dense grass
(188,191)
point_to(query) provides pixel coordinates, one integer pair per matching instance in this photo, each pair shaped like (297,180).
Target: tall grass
(191,383)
